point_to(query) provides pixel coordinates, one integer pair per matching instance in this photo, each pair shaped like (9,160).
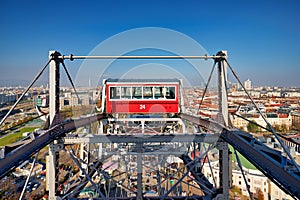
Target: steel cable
(264,118)
(70,79)
(24,92)
(206,86)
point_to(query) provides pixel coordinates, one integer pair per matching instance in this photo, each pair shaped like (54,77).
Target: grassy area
(243,160)
(9,139)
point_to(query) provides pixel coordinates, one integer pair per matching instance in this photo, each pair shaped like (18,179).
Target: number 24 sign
(142,106)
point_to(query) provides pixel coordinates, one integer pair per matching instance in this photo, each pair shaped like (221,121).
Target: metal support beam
(85,155)
(86,175)
(133,138)
(222,90)
(139,195)
(223,119)
(224,170)
(72,57)
(52,169)
(54,76)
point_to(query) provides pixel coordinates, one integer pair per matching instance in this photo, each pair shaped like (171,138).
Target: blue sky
(262,37)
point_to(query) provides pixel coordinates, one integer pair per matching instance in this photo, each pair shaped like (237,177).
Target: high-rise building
(247,84)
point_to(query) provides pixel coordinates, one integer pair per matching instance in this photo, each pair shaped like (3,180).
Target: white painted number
(142,106)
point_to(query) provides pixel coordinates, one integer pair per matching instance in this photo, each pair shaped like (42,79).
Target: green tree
(281,128)
(252,127)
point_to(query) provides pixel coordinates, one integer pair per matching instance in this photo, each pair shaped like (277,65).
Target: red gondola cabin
(142,96)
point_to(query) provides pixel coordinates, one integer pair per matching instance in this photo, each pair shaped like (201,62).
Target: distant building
(255,179)
(292,93)
(273,118)
(295,120)
(247,84)
(24,169)
(5,98)
(85,98)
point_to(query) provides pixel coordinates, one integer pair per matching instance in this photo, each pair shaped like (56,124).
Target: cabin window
(170,92)
(147,93)
(126,92)
(158,92)
(137,92)
(115,92)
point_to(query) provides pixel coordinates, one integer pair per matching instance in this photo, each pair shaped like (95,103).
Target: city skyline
(262,38)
